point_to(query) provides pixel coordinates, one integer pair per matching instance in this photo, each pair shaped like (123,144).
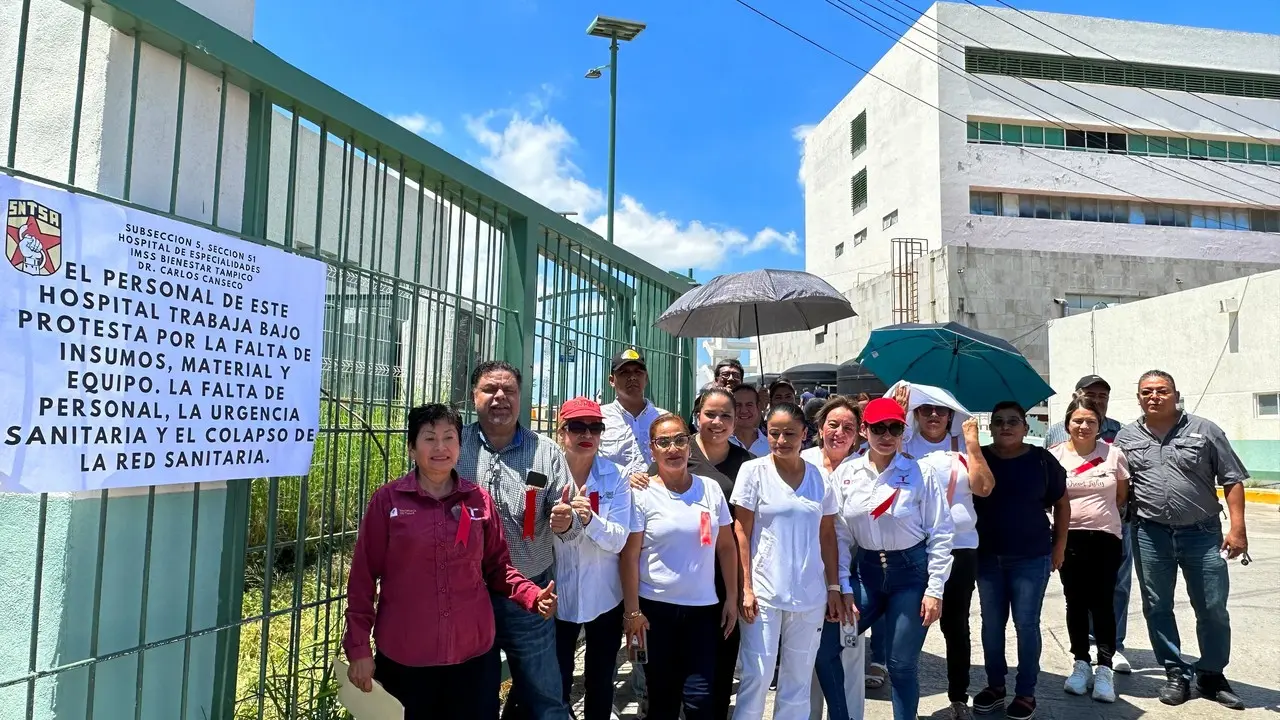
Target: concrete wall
(1185,334)
(70,548)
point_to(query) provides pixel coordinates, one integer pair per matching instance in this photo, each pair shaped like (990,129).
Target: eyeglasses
(1006,422)
(580,428)
(1158,392)
(680,442)
(729,374)
(894,429)
(927,410)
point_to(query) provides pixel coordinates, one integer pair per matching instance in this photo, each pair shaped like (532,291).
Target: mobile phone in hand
(849,634)
(533,478)
(638,648)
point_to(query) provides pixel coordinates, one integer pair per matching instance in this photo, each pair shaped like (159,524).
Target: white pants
(855,682)
(793,636)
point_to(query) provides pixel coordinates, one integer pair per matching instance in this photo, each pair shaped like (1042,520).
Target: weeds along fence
(225,600)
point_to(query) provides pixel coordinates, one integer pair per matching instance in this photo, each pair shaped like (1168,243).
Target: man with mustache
(627,419)
(1176,461)
(498,454)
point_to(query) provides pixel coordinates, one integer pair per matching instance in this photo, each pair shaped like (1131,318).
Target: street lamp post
(615,30)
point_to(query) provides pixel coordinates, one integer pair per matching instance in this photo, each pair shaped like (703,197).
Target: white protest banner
(138,350)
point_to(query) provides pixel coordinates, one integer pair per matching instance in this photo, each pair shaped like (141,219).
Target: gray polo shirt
(1173,481)
(502,474)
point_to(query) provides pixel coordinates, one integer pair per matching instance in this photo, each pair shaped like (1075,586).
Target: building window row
(858,133)
(858,191)
(989,61)
(1088,209)
(1057,138)
(859,237)
(889,220)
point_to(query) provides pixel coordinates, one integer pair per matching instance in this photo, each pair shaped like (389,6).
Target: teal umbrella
(980,370)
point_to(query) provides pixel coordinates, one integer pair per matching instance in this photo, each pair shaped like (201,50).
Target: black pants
(726,663)
(1089,583)
(604,637)
(683,649)
(957,596)
(443,692)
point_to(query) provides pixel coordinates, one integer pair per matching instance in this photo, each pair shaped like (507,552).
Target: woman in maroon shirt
(430,550)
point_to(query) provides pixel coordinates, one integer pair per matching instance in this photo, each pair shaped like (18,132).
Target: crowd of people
(797,543)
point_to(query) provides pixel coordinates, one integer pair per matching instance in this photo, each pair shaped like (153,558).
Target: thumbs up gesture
(562,513)
(546,602)
(581,505)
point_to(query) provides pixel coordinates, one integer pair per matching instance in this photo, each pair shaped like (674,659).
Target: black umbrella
(755,303)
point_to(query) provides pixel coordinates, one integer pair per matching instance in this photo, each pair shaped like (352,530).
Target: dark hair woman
(432,529)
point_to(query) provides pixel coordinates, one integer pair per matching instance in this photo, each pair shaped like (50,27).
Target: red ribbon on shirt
(1091,464)
(464,525)
(704,528)
(530,508)
(883,507)
(595,501)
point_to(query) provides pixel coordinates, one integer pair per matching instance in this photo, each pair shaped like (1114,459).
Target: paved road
(1254,670)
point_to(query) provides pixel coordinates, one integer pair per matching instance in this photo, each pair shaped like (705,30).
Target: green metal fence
(226,600)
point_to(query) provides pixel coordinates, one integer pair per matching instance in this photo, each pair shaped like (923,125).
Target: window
(1268,404)
(1085,209)
(858,190)
(1078,303)
(839,249)
(859,237)
(1118,143)
(1126,74)
(820,337)
(889,220)
(858,133)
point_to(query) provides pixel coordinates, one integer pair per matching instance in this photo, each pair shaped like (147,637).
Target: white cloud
(800,134)
(533,155)
(419,123)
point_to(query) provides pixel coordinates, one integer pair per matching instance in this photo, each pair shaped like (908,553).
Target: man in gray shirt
(1176,461)
(499,455)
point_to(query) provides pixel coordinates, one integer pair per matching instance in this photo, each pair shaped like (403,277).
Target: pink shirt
(421,592)
(1091,486)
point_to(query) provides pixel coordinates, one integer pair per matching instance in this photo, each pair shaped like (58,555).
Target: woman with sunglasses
(587,566)
(901,522)
(711,455)
(1017,550)
(838,669)
(785,525)
(678,536)
(1097,485)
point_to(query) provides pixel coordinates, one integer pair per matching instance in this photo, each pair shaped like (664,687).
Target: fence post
(520,300)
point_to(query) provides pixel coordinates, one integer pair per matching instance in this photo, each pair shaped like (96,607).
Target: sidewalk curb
(1264,496)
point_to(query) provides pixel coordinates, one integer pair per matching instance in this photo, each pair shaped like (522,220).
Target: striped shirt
(502,474)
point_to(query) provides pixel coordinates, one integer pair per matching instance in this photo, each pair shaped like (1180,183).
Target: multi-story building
(1001,169)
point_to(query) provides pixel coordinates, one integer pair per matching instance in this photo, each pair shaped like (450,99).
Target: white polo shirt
(676,566)
(759,446)
(786,555)
(587,579)
(626,437)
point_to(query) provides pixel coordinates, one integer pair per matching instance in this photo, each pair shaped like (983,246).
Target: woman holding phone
(678,537)
(785,524)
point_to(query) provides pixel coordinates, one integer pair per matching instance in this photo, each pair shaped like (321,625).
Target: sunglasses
(680,442)
(939,410)
(1005,422)
(894,429)
(579,427)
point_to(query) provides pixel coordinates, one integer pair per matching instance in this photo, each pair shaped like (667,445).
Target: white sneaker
(1104,689)
(1080,680)
(1120,663)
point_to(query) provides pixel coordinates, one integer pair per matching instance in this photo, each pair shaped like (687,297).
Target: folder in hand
(375,705)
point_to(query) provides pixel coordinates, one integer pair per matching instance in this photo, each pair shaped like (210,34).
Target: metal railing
(226,600)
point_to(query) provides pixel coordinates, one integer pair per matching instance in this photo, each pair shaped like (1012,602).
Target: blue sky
(711,100)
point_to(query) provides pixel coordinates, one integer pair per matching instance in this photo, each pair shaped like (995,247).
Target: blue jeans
(890,586)
(1159,551)
(877,653)
(530,644)
(830,671)
(1012,585)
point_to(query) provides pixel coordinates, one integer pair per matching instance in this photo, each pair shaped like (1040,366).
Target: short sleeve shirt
(1092,483)
(678,553)
(1012,519)
(787,572)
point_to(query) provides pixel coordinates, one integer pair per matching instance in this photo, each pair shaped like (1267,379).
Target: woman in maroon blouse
(430,550)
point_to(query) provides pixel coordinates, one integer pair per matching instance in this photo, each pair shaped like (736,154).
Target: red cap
(882,410)
(580,407)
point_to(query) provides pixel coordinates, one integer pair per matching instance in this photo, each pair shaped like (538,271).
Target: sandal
(876,675)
